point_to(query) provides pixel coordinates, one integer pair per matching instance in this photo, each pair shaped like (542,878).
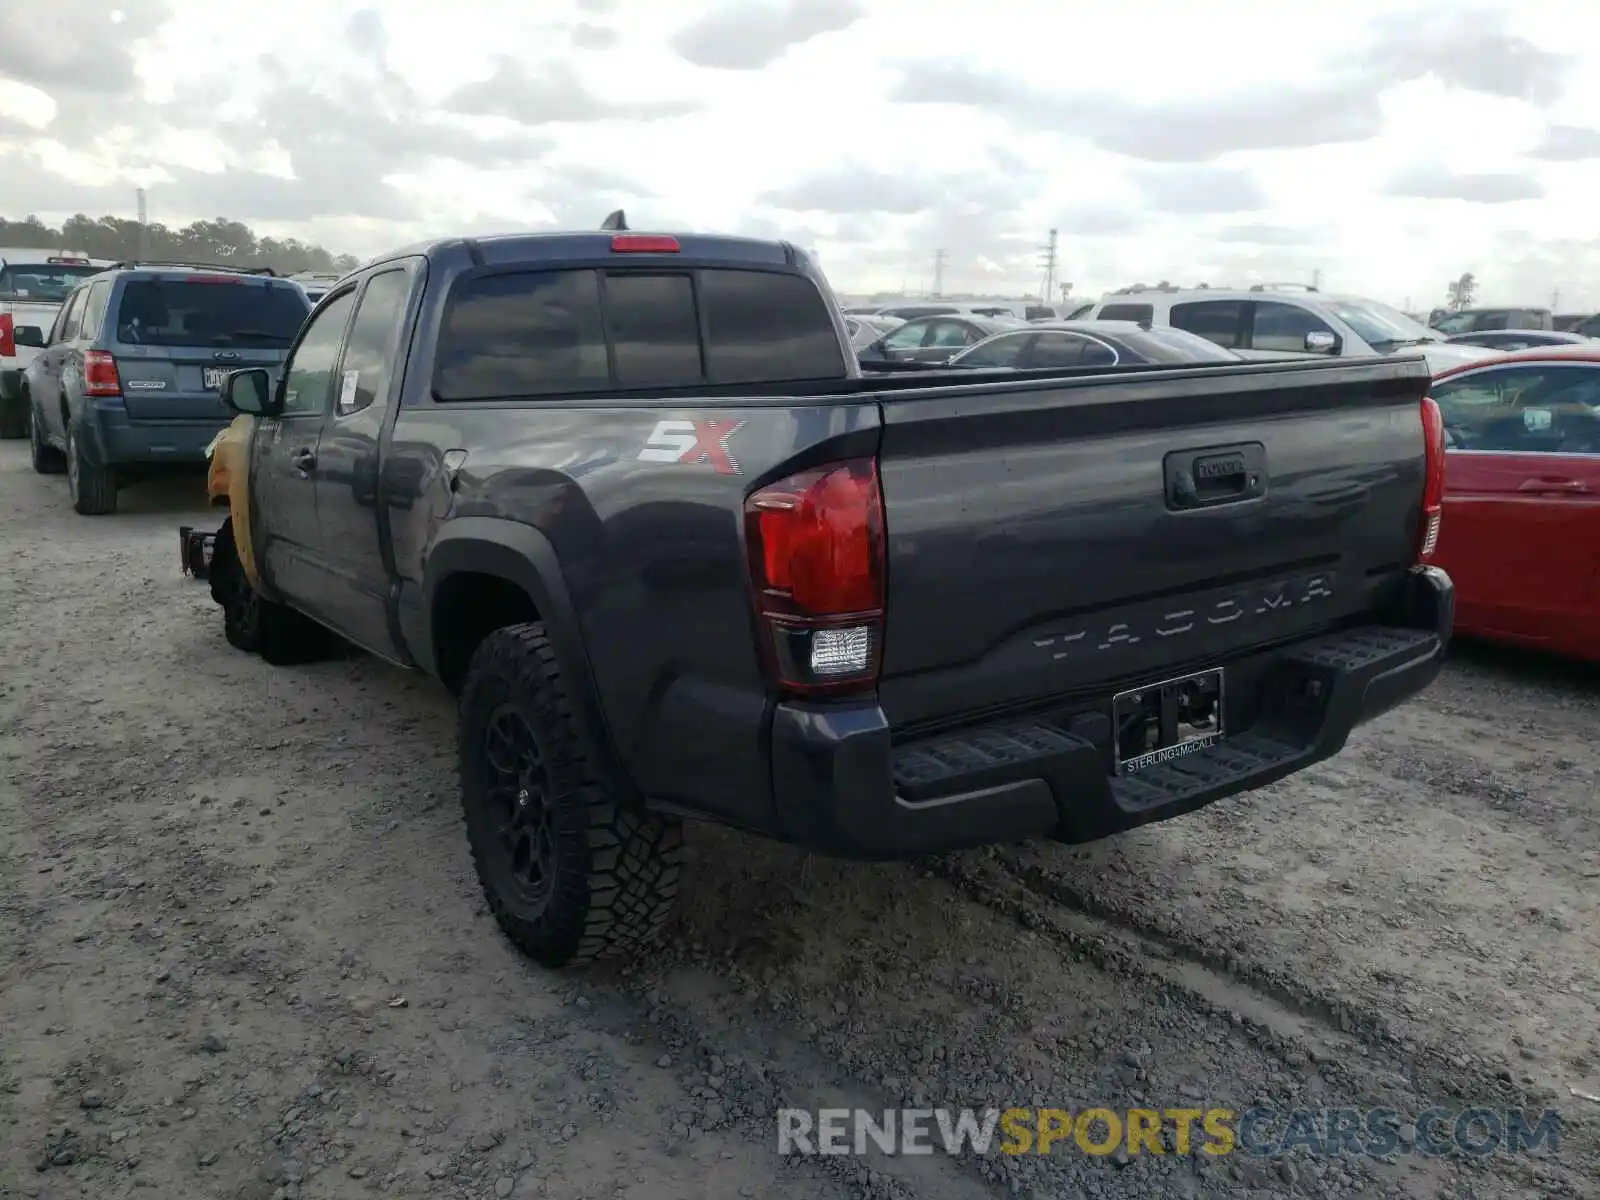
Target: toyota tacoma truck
(629,497)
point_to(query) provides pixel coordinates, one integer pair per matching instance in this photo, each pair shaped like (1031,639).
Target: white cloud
(1388,146)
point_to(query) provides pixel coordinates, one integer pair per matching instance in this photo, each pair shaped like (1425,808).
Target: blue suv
(130,379)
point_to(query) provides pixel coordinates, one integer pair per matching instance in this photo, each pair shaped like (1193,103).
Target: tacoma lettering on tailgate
(1167,619)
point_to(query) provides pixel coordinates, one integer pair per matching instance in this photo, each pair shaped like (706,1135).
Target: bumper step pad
(1336,681)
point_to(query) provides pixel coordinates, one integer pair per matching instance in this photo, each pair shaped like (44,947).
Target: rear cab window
(208,310)
(542,332)
(42,283)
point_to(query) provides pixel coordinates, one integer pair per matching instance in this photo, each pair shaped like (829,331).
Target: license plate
(1159,722)
(215,377)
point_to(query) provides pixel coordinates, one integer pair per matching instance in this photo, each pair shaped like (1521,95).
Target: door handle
(1569,486)
(303,460)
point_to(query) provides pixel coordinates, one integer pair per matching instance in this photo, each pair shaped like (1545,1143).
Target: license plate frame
(1151,700)
(215,378)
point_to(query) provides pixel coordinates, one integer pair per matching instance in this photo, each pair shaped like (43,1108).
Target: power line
(939,257)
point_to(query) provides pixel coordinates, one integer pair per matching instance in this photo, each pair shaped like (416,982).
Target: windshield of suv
(224,312)
(44,283)
(1381,327)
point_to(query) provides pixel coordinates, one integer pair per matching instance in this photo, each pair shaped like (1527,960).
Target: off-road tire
(13,408)
(615,868)
(47,460)
(256,625)
(93,489)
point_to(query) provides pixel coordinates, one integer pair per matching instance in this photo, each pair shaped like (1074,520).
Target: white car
(1266,322)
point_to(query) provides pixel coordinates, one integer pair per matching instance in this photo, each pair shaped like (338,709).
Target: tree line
(232,243)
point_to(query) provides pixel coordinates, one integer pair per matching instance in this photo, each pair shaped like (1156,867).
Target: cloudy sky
(1390,146)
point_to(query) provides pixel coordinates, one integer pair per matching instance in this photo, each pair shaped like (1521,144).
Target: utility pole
(144,227)
(1555,300)
(1047,259)
(938,273)
(1316,280)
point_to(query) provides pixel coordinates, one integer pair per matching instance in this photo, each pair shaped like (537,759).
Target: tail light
(100,374)
(816,546)
(643,243)
(1433,479)
(8,336)
(212,279)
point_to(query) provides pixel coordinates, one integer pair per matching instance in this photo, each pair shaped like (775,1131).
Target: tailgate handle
(1553,485)
(1216,475)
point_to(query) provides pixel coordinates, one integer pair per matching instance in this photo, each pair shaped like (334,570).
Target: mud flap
(196,548)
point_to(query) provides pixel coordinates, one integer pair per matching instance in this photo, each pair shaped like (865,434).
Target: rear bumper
(842,786)
(116,440)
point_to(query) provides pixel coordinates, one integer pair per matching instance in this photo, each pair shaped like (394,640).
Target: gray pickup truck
(629,497)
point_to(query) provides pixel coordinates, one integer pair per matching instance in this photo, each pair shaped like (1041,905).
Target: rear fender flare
(522,555)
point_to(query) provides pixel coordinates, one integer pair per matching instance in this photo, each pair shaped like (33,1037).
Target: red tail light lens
(1433,479)
(100,374)
(643,243)
(816,546)
(8,337)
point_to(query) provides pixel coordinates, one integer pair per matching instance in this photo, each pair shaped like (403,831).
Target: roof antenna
(616,221)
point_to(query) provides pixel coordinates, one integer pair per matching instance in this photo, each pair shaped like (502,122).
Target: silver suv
(1268,321)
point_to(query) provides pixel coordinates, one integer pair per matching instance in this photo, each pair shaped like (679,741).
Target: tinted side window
(1127,312)
(308,378)
(373,343)
(529,333)
(908,336)
(1283,327)
(94,309)
(1531,410)
(71,318)
(953,334)
(762,327)
(1057,350)
(1000,351)
(654,334)
(1215,320)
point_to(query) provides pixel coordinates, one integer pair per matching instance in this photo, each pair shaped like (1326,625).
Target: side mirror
(249,392)
(1320,341)
(28,335)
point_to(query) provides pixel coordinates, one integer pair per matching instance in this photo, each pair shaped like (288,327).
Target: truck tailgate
(1049,537)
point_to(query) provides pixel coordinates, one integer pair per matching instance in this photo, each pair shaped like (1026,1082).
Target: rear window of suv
(540,333)
(224,311)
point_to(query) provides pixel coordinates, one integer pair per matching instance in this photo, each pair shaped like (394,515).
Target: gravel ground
(243,954)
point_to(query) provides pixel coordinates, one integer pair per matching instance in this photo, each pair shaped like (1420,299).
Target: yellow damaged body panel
(228,482)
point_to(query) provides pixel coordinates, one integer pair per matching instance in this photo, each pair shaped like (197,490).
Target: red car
(1521,528)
